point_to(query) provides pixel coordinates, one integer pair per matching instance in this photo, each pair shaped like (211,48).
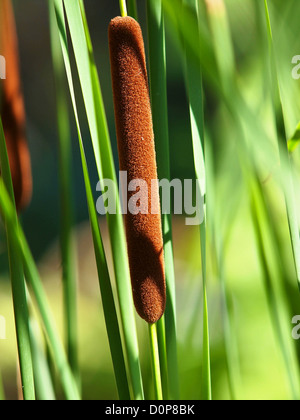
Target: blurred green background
(262,373)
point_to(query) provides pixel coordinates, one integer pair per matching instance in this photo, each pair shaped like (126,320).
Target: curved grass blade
(294,141)
(193,79)
(69,277)
(291,207)
(18,285)
(42,377)
(274,292)
(104,160)
(33,279)
(224,53)
(113,331)
(110,313)
(219,238)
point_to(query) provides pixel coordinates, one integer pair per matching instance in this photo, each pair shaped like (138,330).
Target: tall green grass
(18,285)
(242,134)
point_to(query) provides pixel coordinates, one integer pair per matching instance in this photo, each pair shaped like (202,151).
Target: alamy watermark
(139,196)
(296,68)
(2,67)
(296,329)
(2,328)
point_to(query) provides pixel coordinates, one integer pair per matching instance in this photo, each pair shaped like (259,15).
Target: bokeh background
(262,374)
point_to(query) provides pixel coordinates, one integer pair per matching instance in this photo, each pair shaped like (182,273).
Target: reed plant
(237,139)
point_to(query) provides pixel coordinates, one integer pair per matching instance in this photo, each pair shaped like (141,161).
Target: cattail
(12,109)
(137,157)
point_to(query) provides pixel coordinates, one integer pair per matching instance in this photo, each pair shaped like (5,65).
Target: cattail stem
(123,8)
(163,357)
(155,362)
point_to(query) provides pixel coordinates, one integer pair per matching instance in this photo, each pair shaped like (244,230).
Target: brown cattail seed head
(137,157)
(12,109)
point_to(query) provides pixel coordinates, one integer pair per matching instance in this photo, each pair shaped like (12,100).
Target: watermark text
(2,67)
(296,68)
(182,197)
(296,329)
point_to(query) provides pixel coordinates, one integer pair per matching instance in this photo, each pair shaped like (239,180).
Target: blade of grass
(206,368)
(219,238)
(223,48)
(283,151)
(184,23)
(18,286)
(274,298)
(163,357)
(227,76)
(66,200)
(132,9)
(110,313)
(42,376)
(273,292)
(158,89)
(34,281)
(100,138)
(104,159)
(294,141)
(239,110)
(104,278)
(221,40)
(193,79)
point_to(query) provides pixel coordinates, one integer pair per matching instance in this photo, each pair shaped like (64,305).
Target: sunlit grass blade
(224,53)
(106,292)
(221,40)
(114,335)
(193,79)
(42,377)
(230,338)
(275,294)
(18,286)
(154,351)
(185,25)
(206,366)
(283,151)
(183,20)
(104,159)
(218,239)
(294,141)
(69,277)
(158,89)
(163,357)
